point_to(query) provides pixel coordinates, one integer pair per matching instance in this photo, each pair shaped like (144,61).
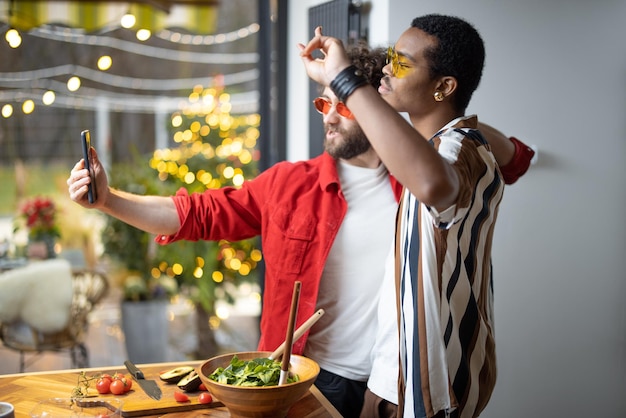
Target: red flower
(40,216)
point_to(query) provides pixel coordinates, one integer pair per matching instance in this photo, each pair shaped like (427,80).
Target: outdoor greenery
(20,183)
(36,180)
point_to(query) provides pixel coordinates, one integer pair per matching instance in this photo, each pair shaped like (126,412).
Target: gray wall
(555,77)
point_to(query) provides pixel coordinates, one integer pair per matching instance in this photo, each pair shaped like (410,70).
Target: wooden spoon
(284,370)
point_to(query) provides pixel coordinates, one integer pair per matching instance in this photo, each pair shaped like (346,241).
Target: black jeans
(346,395)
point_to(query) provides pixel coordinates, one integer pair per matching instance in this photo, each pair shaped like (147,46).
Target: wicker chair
(89,287)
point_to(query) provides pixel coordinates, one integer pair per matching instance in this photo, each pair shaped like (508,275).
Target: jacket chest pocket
(297,230)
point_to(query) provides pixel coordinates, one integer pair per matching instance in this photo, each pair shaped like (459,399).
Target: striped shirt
(443,275)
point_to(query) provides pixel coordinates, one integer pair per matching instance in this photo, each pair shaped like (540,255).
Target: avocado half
(175,375)
(190,382)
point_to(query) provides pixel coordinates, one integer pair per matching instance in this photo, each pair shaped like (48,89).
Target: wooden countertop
(25,390)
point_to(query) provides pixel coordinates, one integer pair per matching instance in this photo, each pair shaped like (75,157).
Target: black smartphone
(85,136)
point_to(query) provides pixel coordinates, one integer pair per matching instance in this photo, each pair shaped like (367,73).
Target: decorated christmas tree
(214,149)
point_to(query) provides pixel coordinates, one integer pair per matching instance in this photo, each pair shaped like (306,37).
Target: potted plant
(39,216)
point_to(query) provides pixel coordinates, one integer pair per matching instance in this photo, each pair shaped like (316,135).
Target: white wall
(555,77)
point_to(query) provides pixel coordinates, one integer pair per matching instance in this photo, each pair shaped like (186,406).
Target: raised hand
(79,179)
(324,70)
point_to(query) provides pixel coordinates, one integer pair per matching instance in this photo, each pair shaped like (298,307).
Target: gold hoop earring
(438,96)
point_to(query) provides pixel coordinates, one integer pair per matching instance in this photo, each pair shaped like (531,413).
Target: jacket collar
(328,171)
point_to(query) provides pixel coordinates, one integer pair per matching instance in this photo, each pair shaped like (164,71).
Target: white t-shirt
(352,275)
(384,377)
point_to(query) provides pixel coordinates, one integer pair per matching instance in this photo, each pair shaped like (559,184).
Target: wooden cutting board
(138,403)
(135,402)
(25,390)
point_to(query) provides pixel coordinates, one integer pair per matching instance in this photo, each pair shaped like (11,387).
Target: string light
(186,39)
(242,103)
(28,107)
(104,62)
(143,34)
(128,21)
(7,110)
(27,78)
(78,37)
(73,83)
(48,98)
(13,38)
(246,102)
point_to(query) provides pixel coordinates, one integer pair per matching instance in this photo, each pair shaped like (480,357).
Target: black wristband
(348,80)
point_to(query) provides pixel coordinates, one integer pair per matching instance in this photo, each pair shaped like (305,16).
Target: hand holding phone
(92,194)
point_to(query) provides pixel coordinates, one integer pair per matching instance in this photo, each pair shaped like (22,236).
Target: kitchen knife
(149,386)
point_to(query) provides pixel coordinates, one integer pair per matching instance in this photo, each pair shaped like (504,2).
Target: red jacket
(297,209)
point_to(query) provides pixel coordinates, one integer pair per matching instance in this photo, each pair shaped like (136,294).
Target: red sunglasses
(323,106)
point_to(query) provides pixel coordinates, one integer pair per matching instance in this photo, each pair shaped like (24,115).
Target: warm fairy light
(228,172)
(104,62)
(128,21)
(7,110)
(48,97)
(234,263)
(73,83)
(245,269)
(187,135)
(177,269)
(217,276)
(143,34)
(222,312)
(238,180)
(205,178)
(194,97)
(13,38)
(177,120)
(189,178)
(28,107)
(245,157)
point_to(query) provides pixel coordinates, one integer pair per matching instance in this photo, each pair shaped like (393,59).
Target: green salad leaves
(257,372)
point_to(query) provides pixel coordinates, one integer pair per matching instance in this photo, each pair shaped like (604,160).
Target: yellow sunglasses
(399,69)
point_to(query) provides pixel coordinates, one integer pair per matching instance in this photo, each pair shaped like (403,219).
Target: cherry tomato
(202,387)
(117,387)
(126,380)
(129,384)
(205,397)
(103,385)
(181,397)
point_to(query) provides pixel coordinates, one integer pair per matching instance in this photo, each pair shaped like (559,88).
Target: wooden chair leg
(79,356)
(22,362)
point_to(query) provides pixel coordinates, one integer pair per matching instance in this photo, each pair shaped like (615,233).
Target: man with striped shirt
(453,188)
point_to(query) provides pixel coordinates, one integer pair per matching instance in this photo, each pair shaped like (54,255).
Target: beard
(352,144)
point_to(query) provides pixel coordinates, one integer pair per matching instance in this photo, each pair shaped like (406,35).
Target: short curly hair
(369,60)
(460,53)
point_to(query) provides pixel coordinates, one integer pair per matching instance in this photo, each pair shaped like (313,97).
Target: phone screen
(86,141)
